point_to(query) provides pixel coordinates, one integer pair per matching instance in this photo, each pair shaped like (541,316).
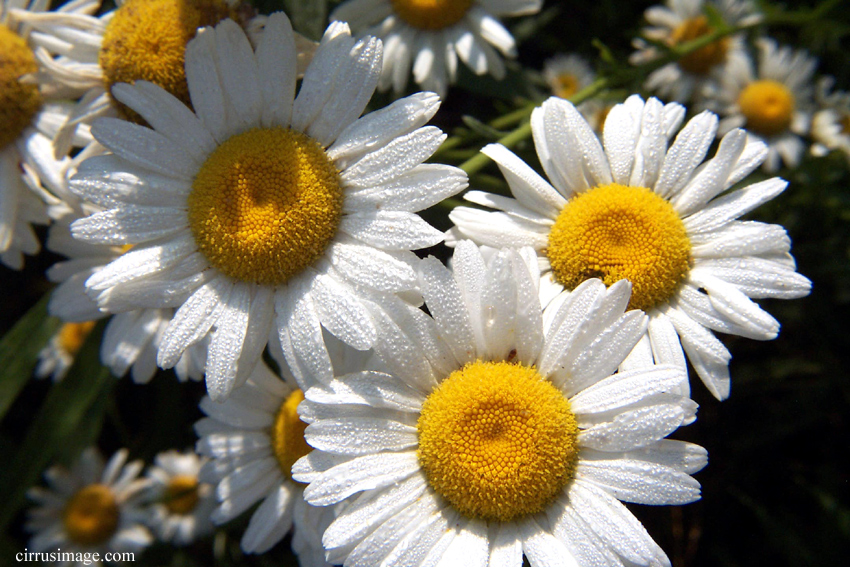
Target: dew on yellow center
(18,102)
(431,14)
(701,61)
(146,39)
(288,434)
(566,85)
(497,441)
(91,515)
(616,232)
(265,205)
(181,494)
(768,107)
(73,335)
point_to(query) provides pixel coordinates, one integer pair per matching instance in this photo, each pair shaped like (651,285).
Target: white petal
(640,482)
(362,473)
(526,184)
(391,230)
(276,61)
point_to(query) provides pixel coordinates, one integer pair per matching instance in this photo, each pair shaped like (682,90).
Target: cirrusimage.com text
(79,557)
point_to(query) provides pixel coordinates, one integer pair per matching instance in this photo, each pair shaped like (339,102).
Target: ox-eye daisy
(831,123)
(491,437)
(681,21)
(90,509)
(262,214)
(253,438)
(430,36)
(655,215)
(774,102)
(180,505)
(31,112)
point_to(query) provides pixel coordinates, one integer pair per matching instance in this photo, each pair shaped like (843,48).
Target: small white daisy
(681,21)
(253,438)
(430,36)
(131,338)
(56,358)
(567,74)
(831,123)
(264,213)
(31,113)
(181,505)
(774,103)
(636,207)
(90,509)
(492,436)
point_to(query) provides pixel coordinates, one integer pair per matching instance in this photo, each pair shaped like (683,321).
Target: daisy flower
(253,438)
(264,213)
(636,207)
(773,103)
(681,21)
(831,123)
(56,358)
(567,74)
(90,509)
(182,505)
(491,436)
(31,112)
(430,36)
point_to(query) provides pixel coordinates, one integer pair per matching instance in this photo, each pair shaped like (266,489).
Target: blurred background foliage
(777,487)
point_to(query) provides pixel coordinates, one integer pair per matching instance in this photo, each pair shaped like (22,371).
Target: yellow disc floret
(265,205)
(497,441)
(288,434)
(615,232)
(91,515)
(146,39)
(566,85)
(701,61)
(73,335)
(431,14)
(181,494)
(768,107)
(18,102)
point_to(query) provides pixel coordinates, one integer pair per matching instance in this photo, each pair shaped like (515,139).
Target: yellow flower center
(181,494)
(91,515)
(73,335)
(497,441)
(768,107)
(265,205)
(18,102)
(288,434)
(566,85)
(701,61)
(431,14)
(146,39)
(615,232)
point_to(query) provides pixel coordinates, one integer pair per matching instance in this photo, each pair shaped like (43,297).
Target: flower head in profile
(180,505)
(492,435)
(679,22)
(261,213)
(430,36)
(252,440)
(831,123)
(637,207)
(90,509)
(773,101)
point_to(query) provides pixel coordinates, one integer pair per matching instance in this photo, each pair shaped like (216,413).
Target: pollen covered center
(18,102)
(701,61)
(146,39)
(91,515)
(616,232)
(768,107)
(288,434)
(265,205)
(181,494)
(72,336)
(497,441)
(431,14)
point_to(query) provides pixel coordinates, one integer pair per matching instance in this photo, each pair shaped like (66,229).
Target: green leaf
(308,18)
(19,351)
(68,420)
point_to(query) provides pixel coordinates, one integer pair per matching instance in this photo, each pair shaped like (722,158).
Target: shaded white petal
(362,473)
(276,60)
